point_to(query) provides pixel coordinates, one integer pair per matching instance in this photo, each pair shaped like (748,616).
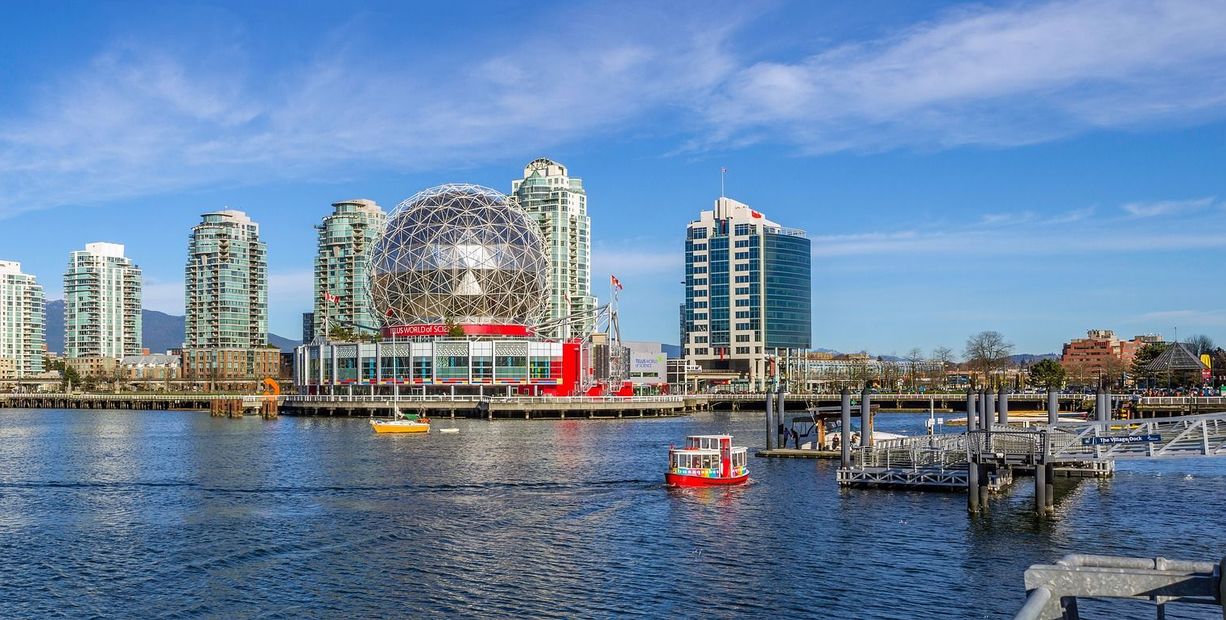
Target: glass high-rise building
(558,203)
(102,303)
(226,283)
(23,321)
(748,291)
(342,288)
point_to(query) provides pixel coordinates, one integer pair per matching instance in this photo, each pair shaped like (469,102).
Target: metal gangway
(986,457)
(1175,437)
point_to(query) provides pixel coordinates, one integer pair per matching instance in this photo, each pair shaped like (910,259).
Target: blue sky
(1037,168)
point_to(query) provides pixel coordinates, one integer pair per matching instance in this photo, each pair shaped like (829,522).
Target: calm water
(180,514)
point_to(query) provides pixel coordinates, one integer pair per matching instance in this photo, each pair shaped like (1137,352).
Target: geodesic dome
(460,253)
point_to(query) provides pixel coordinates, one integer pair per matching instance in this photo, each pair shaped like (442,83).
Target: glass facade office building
(747,293)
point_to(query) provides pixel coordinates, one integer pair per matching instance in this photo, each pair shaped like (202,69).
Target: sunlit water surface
(120,514)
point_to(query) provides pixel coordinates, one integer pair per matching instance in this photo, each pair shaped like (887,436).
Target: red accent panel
(434,329)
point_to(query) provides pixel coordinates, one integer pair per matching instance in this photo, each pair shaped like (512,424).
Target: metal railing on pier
(1053,590)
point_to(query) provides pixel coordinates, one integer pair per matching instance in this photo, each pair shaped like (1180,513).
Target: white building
(648,363)
(558,203)
(23,321)
(102,303)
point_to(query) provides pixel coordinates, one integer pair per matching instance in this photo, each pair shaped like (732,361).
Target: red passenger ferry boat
(706,461)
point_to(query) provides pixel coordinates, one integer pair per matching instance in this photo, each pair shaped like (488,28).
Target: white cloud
(162,296)
(1014,234)
(1166,207)
(1181,317)
(138,120)
(991,76)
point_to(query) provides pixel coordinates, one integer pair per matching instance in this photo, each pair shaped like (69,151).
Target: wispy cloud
(990,76)
(1166,207)
(627,261)
(1031,235)
(1192,318)
(139,120)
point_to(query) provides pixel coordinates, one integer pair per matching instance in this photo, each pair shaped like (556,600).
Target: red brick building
(1101,352)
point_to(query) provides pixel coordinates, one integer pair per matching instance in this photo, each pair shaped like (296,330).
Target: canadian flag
(615,283)
(755,213)
(330,298)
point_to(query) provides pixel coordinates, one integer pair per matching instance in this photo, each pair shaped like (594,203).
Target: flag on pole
(615,283)
(330,298)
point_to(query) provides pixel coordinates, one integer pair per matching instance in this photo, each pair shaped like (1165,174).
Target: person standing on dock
(796,438)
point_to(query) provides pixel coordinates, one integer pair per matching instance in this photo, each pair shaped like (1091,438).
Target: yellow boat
(401,424)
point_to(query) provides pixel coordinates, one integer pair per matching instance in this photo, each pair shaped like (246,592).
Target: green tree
(69,377)
(454,330)
(1048,373)
(1143,358)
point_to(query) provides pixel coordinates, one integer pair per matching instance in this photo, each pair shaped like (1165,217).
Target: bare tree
(942,358)
(914,358)
(1200,344)
(986,352)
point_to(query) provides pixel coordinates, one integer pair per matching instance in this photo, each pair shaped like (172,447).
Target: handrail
(1053,590)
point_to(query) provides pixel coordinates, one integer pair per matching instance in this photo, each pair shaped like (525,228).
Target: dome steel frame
(458,253)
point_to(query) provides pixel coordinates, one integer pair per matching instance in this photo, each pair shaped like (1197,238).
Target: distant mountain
(160,332)
(285,344)
(1030,358)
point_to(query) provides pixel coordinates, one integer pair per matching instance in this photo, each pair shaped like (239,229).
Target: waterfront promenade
(581,406)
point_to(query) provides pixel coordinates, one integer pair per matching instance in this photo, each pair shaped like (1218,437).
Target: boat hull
(400,427)
(678,480)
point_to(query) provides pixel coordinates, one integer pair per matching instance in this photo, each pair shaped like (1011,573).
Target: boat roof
(708,436)
(699,451)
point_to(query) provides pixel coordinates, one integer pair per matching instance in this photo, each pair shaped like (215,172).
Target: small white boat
(448,430)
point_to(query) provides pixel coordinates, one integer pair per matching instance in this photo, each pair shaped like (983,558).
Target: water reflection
(176,513)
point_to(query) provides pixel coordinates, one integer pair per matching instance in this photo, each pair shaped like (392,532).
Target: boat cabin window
(695,461)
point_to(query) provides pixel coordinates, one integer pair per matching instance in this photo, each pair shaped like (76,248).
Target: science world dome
(458,253)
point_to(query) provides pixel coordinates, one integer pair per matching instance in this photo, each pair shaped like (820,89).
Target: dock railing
(1054,589)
